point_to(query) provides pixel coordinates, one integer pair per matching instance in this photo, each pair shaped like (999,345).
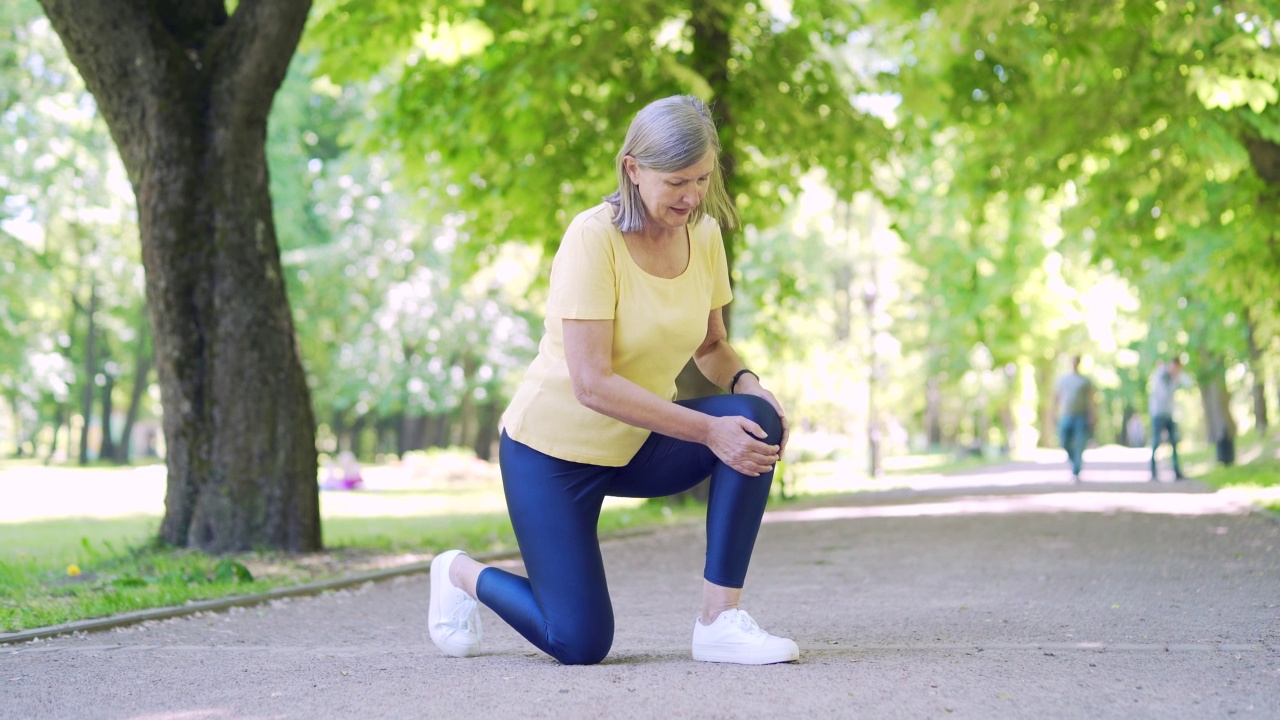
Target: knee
(759,411)
(584,648)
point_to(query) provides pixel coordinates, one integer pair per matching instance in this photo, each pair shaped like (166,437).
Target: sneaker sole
(732,654)
(439,586)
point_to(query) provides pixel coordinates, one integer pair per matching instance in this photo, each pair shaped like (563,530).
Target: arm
(719,362)
(588,350)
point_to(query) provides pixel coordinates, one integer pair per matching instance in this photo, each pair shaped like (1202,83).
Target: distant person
(1073,400)
(1165,381)
(638,287)
(343,474)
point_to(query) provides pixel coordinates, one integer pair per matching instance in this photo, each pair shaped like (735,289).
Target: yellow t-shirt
(657,324)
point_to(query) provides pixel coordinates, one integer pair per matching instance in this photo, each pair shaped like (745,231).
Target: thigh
(666,466)
(555,508)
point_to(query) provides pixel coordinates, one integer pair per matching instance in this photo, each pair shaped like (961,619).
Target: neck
(660,235)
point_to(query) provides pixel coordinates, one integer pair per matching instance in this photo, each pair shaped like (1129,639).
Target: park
(1010,267)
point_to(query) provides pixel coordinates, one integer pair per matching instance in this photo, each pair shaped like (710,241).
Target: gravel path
(1006,593)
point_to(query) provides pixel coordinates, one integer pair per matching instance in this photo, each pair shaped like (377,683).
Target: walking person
(1074,403)
(637,287)
(1165,381)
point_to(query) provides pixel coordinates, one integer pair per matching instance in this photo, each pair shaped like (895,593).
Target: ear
(632,167)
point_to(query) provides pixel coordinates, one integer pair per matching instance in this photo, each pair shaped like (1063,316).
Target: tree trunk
(486,429)
(57,428)
(106,447)
(1044,404)
(185,90)
(933,411)
(1220,427)
(1259,377)
(141,373)
(355,443)
(90,366)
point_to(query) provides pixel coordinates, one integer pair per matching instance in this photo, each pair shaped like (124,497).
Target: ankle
(710,615)
(463,572)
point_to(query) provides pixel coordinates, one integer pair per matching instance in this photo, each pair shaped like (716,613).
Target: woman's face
(670,197)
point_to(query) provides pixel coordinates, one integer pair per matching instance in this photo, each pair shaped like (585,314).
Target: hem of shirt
(569,455)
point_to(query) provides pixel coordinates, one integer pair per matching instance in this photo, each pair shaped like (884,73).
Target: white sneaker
(453,617)
(735,638)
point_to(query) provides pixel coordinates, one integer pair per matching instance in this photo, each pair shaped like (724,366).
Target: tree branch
(251,54)
(112,45)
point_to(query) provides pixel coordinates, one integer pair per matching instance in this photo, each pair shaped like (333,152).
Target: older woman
(637,287)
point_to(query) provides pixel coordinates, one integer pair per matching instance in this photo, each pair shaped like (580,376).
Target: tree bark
(1260,419)
(90,364)
(141,374)
(106,446)
(1220,427)
(1044,404)
(185,90)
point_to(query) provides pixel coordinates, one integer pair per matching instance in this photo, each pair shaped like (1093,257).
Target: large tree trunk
(185,90)
(1220,427)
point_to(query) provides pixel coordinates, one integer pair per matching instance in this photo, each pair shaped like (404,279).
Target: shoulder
(707,228)
(706,235)
(597,219)
(593,226)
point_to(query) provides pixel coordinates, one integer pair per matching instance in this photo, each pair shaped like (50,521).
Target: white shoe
(735,638)
(453,617)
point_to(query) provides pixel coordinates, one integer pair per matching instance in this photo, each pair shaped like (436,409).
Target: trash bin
(1226,449)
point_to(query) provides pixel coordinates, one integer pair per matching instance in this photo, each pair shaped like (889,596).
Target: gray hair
(669,135)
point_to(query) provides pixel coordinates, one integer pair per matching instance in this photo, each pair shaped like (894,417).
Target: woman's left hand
(751,386)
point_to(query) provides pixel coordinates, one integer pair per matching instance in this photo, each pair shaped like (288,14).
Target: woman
(637,287)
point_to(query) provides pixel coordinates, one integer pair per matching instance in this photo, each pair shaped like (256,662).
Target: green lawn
(102,560)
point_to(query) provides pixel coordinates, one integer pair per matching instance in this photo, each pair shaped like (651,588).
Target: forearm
(623,400)
(719,362)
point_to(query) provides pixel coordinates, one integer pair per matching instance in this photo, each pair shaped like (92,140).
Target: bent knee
(759,411)
(583,651)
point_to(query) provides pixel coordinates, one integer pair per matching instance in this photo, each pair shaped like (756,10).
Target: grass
(1257,472)
(1253,477)
(55,570)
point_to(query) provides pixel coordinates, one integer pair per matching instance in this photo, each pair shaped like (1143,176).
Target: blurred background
(942,203)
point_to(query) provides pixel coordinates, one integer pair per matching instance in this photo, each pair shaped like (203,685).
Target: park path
(1006,592)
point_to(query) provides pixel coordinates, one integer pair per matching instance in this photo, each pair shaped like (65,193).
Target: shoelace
(747,624)
(460,618)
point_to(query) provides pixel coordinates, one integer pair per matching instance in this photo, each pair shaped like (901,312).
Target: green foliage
(516,110)
(387,319)
(67,229)
(1144,110)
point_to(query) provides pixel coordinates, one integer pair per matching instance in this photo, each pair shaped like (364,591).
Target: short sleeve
(583,277)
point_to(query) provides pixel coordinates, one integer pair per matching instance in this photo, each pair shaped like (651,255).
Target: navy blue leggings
(563,606)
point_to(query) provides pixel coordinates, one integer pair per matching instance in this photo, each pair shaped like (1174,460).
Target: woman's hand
(735,440)
(749,384)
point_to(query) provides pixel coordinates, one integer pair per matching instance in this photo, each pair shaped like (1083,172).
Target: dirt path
(1004,593)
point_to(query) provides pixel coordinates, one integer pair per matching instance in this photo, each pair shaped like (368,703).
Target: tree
(185,89)
(1161,118)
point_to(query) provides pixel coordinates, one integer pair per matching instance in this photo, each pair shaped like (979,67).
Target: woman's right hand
(734,440)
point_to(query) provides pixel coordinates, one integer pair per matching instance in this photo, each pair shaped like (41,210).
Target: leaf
(230,571)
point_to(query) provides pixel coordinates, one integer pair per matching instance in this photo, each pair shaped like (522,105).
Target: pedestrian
(637,287)
(1165,381)
(1073,401)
